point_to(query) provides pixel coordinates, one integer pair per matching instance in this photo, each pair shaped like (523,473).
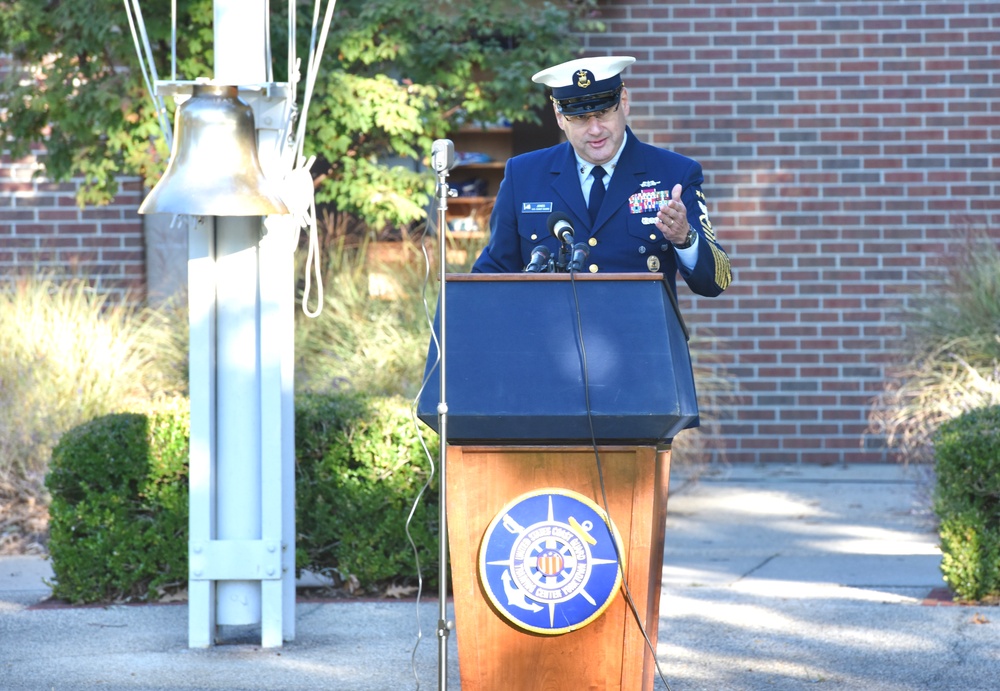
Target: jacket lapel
(566,183)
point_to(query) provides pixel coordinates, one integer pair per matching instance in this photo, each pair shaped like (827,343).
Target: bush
(967,500)
(120,499)
(119,512)
(971,556)
(360,465)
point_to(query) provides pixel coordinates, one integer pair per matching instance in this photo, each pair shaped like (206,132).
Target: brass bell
(213,168)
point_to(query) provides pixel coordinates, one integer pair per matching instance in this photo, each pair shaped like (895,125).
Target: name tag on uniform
(536,207)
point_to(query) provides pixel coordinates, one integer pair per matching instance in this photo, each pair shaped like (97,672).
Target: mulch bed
(24,524)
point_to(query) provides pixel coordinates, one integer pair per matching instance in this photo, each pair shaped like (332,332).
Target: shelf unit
(471,212)
(470,215)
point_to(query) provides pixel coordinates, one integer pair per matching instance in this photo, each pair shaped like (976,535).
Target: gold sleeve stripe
(723,272)
(706,223)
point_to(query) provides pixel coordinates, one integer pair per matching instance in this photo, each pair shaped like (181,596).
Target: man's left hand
(671,219)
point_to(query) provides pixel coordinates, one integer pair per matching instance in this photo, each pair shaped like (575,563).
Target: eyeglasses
(599,115)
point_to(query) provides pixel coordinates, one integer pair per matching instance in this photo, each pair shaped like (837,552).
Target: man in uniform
(637,207)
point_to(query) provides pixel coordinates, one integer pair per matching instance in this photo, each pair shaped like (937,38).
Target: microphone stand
(442,162)
(565,249)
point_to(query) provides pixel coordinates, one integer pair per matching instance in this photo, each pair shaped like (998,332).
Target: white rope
(312,267)
(148,71)
(298,194)
(285,137)
(269,78)
(315,58)
(293,62)
(173,40)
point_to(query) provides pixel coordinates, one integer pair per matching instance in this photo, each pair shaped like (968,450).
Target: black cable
(600,476)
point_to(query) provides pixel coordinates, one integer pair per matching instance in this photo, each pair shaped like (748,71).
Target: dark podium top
(514,372)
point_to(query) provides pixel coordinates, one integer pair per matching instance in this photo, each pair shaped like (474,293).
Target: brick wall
(42,230)
(844,144)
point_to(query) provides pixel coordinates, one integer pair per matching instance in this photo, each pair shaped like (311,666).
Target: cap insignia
(581,79)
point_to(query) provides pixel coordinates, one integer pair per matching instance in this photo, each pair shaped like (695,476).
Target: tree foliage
(396,75)
(74,89)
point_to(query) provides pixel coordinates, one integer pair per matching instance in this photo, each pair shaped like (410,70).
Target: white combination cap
(585,85)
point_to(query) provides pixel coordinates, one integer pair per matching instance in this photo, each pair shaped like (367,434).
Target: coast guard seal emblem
(548,562)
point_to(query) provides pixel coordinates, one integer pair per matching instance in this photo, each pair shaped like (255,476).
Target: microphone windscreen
(555,217)
(442,155)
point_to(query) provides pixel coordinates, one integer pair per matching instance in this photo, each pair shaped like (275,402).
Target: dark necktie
(596,192)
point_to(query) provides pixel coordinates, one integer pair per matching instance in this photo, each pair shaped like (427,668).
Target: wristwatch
(688,241)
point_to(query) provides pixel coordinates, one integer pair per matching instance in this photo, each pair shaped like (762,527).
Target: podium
(553,386)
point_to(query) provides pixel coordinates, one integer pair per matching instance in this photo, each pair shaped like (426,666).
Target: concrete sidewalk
(775,577)
(791,577)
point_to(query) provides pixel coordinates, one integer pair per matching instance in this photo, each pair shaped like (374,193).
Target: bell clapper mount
(258,96)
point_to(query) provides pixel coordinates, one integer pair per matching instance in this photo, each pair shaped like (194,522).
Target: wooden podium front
(609,653)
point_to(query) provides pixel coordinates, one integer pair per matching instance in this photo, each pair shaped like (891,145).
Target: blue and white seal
(549,563)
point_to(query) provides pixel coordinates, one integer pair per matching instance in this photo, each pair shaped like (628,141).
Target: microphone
(442,155)
(580,254)
(539,259)
(560,227)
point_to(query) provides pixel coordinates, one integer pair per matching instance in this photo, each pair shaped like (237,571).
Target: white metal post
(242,551)
(277,405)
(201,392)
(238,418)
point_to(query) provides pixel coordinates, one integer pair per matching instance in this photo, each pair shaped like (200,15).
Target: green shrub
(120,499)
(967,500)
(971,556)
(360,466)
(119,512)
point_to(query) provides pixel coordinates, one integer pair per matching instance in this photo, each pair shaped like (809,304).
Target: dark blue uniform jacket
(624,237)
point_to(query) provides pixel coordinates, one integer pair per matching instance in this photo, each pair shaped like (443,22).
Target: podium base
(610,652)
